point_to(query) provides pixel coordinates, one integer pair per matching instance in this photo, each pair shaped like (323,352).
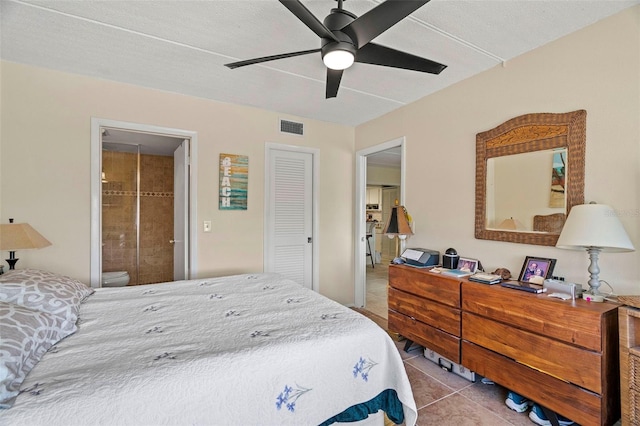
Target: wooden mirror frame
(529,133)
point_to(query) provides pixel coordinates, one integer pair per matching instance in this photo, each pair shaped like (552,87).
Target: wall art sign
(234,182)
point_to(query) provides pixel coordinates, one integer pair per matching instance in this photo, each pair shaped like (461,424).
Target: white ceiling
(181,47)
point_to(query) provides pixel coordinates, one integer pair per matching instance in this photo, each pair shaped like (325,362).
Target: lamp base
(590,297)
(12,263)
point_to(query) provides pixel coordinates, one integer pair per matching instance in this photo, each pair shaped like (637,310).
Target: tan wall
(45,146)
(379,175)
(596,69)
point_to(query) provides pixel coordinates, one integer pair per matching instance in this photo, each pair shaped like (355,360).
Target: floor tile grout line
(476,403)
(453,389)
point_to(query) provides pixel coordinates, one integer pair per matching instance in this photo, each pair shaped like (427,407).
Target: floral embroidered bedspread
(240,350)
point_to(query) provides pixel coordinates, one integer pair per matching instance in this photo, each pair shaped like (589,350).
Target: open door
(396,147)
(180,212)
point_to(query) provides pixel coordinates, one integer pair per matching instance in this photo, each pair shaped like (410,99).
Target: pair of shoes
(537,416)
(517,402)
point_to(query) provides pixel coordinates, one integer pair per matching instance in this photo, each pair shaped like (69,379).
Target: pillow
(26,335)
(45,291)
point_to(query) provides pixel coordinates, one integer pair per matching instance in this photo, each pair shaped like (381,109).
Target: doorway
(389,158)
(143,202)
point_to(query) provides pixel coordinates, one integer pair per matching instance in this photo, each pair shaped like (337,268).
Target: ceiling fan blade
(239,64)
(333,82)
(380,55)
(379,19)
(308,18)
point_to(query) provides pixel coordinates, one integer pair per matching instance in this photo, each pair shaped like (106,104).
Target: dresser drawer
(444,290)
(581,406)
(540,314)
(430,337)
(428,311)
(570,363)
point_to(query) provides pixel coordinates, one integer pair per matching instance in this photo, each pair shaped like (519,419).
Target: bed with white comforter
(243,350)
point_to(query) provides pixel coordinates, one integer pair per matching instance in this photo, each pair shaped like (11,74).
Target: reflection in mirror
(525,185)
(520,167)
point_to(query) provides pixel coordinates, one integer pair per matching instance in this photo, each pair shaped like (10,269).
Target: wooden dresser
(425,308)
(561,354)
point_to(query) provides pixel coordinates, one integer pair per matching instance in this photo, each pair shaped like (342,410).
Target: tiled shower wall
(119,216)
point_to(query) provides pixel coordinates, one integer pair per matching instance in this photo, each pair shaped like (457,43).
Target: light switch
(207,226)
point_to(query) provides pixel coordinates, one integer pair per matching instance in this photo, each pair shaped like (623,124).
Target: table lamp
(594,228)
(19,236)
(398,225)
(511,224)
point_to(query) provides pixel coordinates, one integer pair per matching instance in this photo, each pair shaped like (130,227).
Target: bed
(252,349)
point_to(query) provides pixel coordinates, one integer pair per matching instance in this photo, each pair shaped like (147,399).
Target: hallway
(377,279)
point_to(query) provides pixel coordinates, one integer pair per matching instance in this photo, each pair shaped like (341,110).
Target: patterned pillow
(45,291)
(26,335)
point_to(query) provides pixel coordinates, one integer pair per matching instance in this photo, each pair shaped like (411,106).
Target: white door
(180,211)
(289,216)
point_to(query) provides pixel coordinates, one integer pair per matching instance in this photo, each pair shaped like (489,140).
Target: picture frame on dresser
(467,265)
(536,269)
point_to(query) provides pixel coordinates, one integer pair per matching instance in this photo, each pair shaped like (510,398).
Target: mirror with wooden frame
(529,174)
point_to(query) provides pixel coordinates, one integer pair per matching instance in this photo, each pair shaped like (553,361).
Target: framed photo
(536,269)
(467,265)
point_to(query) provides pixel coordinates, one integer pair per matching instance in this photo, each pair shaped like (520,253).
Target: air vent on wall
(291,127)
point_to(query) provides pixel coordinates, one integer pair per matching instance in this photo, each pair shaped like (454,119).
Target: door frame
(96,189)
(360,278)
(315,256)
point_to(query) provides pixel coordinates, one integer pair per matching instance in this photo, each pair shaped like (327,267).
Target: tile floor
(377,279)
(443,398)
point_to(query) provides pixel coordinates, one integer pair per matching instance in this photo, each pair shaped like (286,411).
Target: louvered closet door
(290,215)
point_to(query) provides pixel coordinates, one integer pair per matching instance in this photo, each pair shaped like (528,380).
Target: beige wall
(45,151)
(380,175)
(596,69)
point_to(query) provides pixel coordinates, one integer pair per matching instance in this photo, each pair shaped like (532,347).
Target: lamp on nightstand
(19,236)
(594,228)
(398,225)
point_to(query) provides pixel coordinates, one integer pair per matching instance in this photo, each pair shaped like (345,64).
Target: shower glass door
(137,213)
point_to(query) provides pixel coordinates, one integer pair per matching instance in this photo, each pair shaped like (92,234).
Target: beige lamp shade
(398,223)
(20,236)
(511,224)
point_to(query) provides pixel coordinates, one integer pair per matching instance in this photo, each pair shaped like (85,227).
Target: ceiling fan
(346,38)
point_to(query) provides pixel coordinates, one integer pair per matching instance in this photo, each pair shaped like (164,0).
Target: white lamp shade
(338,59)
(594,225)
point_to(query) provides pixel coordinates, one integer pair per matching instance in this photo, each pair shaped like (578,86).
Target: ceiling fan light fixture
(338,59)
(346,38)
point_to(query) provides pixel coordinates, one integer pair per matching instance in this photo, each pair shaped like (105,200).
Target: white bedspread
(241,350)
